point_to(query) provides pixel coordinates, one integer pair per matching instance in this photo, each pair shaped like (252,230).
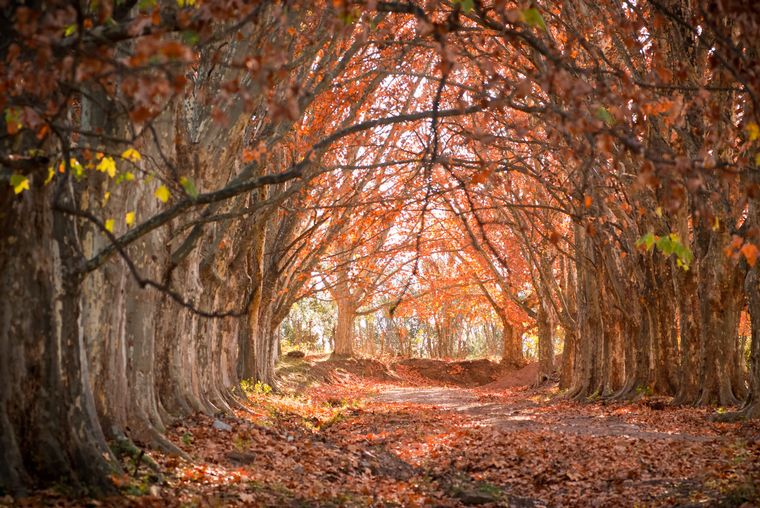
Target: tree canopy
(176,175)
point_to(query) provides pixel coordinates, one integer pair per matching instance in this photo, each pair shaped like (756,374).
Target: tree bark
(545,345)
(344,330)
(512,354)
(49,429)
(751,408)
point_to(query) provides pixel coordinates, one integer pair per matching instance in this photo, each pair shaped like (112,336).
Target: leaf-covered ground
(357,441)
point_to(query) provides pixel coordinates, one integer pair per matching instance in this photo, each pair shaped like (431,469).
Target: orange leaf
(750,251)
(480,176)
(43,131)
(248,155)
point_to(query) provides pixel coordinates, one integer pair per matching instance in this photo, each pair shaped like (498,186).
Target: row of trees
(179,174)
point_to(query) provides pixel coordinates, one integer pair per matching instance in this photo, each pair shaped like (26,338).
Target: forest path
(361,442)
(525,413)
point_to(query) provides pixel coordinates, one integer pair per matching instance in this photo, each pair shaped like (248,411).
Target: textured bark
(50,432)
(751,408)
(545,345)
(689,322)
(587,375)
(661,313)
(344,330)
(249,333)
(719,311)
(512,343)
(569,351)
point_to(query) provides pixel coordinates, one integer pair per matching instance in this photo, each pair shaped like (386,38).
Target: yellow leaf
(131,155)
(107,165)
(51,174)
(109,225)
(129,176)
(658,211)
(76,167)
(20,183)
(757,159)
(753,130)
(106,197)
(162,193)
(129,218)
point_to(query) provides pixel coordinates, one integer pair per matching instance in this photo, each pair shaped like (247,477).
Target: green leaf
(145,5)
(665,244)
(670,244)
(189,187)
(76,167)
(127,176)
(162,193)
(70,30)
(604,115)
(466,5)
(190,37)
(20,183)
(533,18)
(647,241)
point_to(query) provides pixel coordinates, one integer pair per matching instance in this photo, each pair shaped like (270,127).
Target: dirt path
(524,414)
(360,442)
(544,451)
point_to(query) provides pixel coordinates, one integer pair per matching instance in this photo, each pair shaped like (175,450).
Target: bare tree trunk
(48,427)
(512,354)
(569,350)
(344,331)
(545,345)
(751,407)
(587,376)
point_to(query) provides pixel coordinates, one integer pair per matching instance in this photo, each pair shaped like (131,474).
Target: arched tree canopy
(176,175)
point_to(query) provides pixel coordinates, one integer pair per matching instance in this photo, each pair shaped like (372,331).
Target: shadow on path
(524,414)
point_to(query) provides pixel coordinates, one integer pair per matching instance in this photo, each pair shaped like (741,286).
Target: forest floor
(359,433)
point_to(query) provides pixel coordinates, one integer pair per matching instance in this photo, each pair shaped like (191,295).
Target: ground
(361,433)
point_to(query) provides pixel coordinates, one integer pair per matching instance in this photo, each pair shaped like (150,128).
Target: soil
(525,376)
(465,373)
(296,373)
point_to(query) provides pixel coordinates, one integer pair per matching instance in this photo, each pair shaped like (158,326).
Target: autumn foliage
(471,177)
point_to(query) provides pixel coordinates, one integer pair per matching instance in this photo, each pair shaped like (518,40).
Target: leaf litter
(351,439)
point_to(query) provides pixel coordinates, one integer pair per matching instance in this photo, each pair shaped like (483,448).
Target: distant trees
(617,155)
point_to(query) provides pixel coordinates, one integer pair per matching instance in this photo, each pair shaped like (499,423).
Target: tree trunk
(512,354)
(587,375)
(568,359)
(751,407)
(344,331)
(719,326)
(545,345)
(49,431)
